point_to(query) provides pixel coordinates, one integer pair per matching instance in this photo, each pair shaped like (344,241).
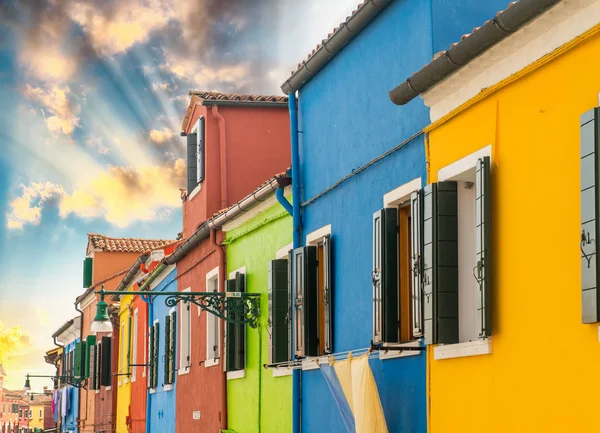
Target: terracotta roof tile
(217,96)
(123,245)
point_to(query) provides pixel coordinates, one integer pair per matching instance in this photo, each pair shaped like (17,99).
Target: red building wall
(206,385)
(257,148)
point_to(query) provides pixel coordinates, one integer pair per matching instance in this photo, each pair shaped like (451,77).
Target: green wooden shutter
(87,272)
(236,350)
(192,161)
(200,150)
(278,311)
(78,370)
(172,347)
(106,373)
(328,295)
(90,341)
(166,375)
(150,361)
(483,206)
(416,211)
(95,367)
(155,355)
(440,263)
(590,226)
(385,276)
(306,301)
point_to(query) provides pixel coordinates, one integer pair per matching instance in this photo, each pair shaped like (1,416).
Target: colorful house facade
(40,407)
(13,401)
(66,412)
(358,160)
(258,243)
(522,106)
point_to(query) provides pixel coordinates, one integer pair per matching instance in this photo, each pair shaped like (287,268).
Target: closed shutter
(106,373)
(385,276)
(236,331)
(328,295)
(170,355)
(87,272)
(79,359)
(306,301)
(166,375)
(97,362)
(150,355)
(440,263)
(590,227)
(200,151)
(89,358)
(155,347)
(278,311)
(128,345)
(483,218)
(192,161)
(416,206)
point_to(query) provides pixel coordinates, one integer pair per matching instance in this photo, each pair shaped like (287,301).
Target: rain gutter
(500,27)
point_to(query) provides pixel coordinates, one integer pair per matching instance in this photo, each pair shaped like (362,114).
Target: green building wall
(259,402)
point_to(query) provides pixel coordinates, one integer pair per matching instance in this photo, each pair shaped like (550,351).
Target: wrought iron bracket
(396,347)
(235,307)
(77,382)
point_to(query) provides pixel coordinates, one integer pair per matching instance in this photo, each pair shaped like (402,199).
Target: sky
(92,97)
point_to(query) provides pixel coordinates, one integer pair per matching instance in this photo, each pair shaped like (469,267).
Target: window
(170,347)
(186,337)
(41,413)
(30,414)
(235,335)
(313,303)
(135,345)
(279,308)
(212,323)
(90,343)
(21,413)
(153,342)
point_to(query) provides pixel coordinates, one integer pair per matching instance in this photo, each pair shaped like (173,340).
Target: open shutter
(235,331)
(278,311)
(90,342)
(328,295)
(172,347)
(290,297)
(440,263)
(483,217)
(200,150)
(98,365)
(590,227)
(192,161)
(385,276)
(150,355)
(106,376)
(155,355)
(87,272)
(79,359)
(92,364)
(306,301)
(166,375)
(416,201)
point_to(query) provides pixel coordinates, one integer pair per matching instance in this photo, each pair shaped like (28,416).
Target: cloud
(120,195)
(60,110)
(13,342)
(161,136)
(47,63)
(97,144)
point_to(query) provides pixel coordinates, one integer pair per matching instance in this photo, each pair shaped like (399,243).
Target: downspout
(222,264)
(222,155)
(297,225)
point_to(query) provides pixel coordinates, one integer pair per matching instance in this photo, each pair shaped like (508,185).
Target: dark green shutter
(278,311)
(290,306)
(328,295)
(155,355)
(201,147)
(79,369)
(236,342)
(166,375)
(87,272)
(483,218)
(306,301)
(106,372)
(129,344)
(416,210)
(172,347)
(590,225)
(385,276)
(150,355)
(192,161)
(90,342)
(440,263)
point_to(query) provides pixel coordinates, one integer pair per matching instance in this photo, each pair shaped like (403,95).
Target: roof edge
(328,49)
(504,24)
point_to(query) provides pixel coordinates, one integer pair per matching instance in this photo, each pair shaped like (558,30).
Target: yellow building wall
(35,421)
(543,374)
(124,382)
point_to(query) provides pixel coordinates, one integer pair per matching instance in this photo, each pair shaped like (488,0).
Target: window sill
(168,388)
(240,374)
(211,362)
(182,371)
(312,363)
(153,391)
(461,350)
(195,191)
(108,388)
(393,354)
(282,372)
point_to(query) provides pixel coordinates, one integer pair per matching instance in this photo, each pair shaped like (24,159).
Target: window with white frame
(41,413)
(212,323)
(185,337)
(135,346)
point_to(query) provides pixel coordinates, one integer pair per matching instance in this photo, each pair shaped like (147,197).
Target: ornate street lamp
(77,382)
(101,322)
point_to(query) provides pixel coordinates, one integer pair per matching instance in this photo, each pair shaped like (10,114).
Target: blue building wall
(161,401)
(345,120)
(69,423)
